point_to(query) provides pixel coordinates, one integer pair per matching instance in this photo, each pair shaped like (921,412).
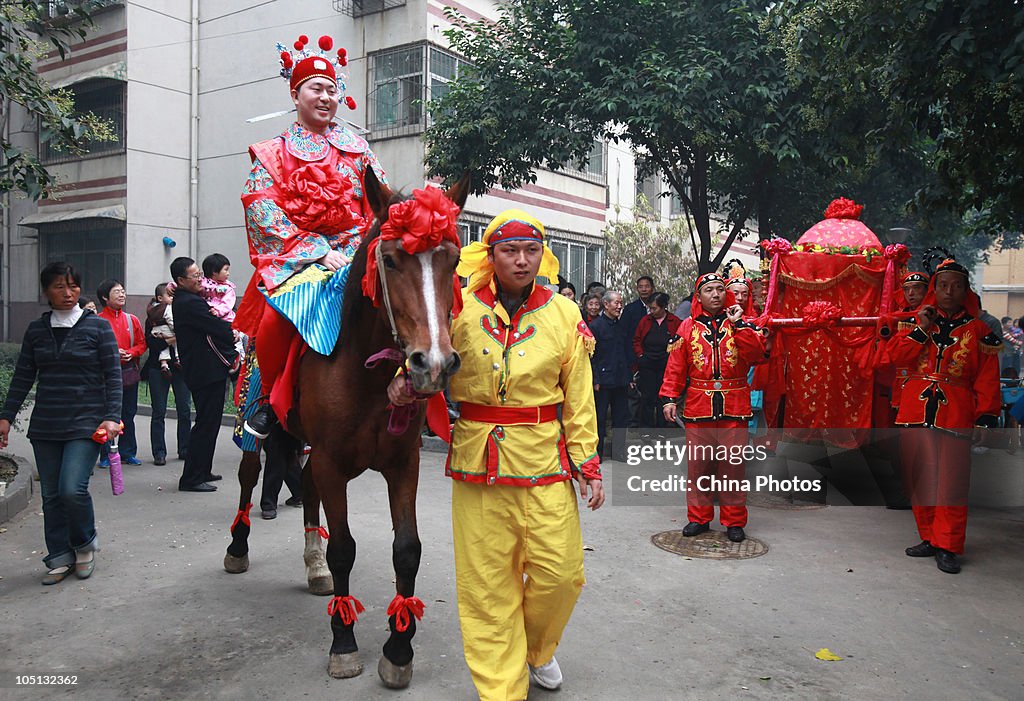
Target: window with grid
(594,168)
(402,81)
(676,206)
(579,263)
(361,8)
(444,68)
(104,98)
(649,189)
(95,247)
(471,231)
(396,90)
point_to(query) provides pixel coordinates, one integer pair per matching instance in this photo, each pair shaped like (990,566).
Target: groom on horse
(306,212)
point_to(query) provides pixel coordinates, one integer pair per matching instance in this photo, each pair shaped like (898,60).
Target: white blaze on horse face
(426,259)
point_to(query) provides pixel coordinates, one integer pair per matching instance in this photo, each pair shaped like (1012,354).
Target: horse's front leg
(318,575)
(236,560)
(395,666)
(332,484)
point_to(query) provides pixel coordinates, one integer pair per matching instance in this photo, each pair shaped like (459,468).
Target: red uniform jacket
(953,374)
(714,355)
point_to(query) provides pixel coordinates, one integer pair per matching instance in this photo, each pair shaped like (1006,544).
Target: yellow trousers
(519,571)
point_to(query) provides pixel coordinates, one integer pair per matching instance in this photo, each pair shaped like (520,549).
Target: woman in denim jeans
(73,354)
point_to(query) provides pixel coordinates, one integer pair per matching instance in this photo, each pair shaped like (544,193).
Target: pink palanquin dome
(841,227)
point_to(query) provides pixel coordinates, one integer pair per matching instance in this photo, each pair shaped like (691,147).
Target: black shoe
(922,549)
(736,534)
(260,423)
(160,461)
(293,501)
(269,514)
(693,528)
(201,487)
(946,561)
(213,478)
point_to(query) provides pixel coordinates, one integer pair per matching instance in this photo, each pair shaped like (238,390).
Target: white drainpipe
(193,151)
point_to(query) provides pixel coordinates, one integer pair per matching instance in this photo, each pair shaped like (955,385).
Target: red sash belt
(719,385)
(508,415)
(940,378)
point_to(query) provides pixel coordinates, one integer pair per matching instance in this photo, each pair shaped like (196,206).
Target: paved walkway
(160,619)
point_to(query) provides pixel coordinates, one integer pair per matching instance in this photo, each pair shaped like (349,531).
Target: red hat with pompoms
(303,61)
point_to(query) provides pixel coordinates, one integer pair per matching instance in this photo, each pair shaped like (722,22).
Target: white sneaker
(547,676)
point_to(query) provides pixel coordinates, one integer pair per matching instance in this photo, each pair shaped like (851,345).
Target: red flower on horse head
(423,222)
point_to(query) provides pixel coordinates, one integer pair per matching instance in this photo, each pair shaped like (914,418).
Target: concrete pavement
(161,619)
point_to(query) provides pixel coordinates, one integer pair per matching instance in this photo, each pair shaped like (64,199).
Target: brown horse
(343,414)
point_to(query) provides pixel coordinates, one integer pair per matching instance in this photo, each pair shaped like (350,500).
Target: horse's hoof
(345,666)
(236,565)
(321,586)
(393,676)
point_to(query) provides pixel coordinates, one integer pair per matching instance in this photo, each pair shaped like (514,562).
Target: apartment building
(182,80)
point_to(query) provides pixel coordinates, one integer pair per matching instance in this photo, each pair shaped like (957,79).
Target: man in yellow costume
(518,547)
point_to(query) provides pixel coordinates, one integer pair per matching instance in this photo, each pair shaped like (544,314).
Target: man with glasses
(206,375)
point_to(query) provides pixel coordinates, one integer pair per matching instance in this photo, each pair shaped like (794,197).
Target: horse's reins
(401,416)
(382,276)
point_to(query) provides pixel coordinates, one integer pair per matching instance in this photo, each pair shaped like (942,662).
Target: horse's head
(411,274)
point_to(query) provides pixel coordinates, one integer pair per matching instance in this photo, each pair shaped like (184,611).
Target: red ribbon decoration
(776,245)
(896,255)
(316,198)
(422,222)
(400,607)
(345,606)
(819,314)
(243,516)
(319,529)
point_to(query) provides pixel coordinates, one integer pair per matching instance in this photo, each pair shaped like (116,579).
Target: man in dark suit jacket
(612,373)
(197,330)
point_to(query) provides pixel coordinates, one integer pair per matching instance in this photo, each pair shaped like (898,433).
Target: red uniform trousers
(279,348)
(703,439)
(938,473)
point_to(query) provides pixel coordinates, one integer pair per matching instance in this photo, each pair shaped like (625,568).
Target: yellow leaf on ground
(827,655)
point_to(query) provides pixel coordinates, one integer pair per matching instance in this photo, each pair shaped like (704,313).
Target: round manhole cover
(712,545)
(780,501)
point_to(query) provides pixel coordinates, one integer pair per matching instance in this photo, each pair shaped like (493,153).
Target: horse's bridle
(387,297)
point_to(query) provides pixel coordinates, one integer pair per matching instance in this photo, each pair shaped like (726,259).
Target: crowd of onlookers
(630,354)
(87,359)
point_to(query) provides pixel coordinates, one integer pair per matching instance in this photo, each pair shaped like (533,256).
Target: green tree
(27,32)
(696,88)
(944,78)
(638,246)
